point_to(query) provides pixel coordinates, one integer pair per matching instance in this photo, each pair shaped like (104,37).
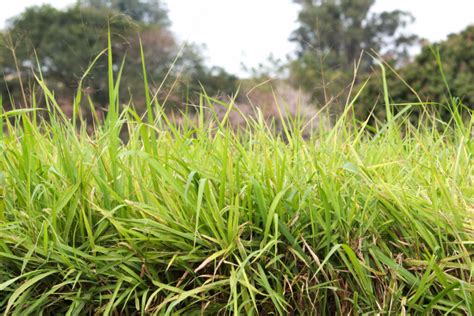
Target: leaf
(24,287)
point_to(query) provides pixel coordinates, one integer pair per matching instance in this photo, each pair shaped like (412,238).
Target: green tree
(423,76)
(146,11)
(331,36)
(66,42)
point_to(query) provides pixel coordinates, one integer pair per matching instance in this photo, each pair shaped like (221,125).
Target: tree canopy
(146,11)
(65,42)
(452,58)
(332,35)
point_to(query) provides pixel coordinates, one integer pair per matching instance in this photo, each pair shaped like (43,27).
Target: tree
(65,43)
(151,12)
(423,75)
(332,35)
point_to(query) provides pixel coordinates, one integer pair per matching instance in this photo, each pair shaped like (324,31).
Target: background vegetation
(439,73)
(66,42)
(334,39)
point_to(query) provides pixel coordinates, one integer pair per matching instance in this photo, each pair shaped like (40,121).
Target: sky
(238,32)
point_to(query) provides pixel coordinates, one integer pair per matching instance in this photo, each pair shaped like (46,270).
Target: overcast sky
(248,31)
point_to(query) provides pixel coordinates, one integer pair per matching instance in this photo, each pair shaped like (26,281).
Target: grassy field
(201,218)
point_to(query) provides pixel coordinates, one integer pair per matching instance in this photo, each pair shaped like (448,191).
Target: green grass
(202,218)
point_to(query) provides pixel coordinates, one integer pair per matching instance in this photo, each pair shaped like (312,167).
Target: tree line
(334,39)
(59,45)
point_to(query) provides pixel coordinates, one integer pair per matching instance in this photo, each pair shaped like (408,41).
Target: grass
(201,218)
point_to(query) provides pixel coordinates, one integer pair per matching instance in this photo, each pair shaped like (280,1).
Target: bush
(442,73)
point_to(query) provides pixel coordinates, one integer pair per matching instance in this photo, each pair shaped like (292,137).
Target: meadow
(202,218)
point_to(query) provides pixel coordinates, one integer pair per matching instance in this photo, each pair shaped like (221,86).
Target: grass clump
(201,218)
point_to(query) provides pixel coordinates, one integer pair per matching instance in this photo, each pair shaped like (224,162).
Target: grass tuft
(202,218)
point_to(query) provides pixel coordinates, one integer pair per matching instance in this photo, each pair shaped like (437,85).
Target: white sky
(246,31)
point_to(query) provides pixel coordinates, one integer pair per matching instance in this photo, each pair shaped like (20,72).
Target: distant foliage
(453,57)
(65,43)
(146,11)
(331,37)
